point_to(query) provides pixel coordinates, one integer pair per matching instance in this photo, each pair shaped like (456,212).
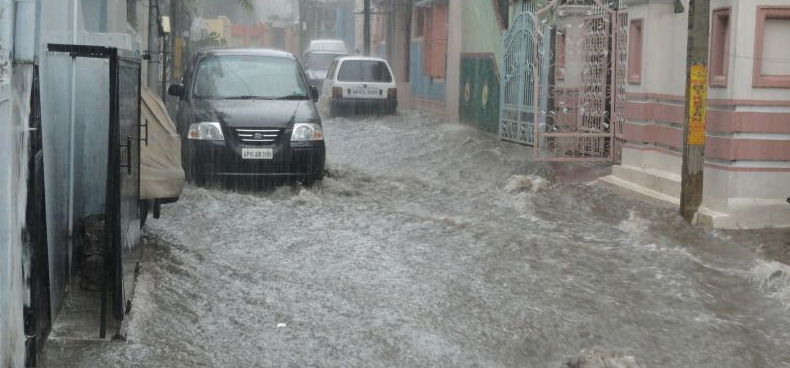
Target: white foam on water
(598,358)
(634,225)
(773,279)
(143,307)
(637,230)
(307,196)
(522,183)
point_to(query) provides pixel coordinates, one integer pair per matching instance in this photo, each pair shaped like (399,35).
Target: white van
(355,82)
(332,46)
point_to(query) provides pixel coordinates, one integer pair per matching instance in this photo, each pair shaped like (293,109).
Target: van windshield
(249,77)
(328,45)
(321,61)
(364,71)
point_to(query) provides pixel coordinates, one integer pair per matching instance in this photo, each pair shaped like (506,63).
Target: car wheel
(309,181)
(194,178)
(392,109)
(334,111)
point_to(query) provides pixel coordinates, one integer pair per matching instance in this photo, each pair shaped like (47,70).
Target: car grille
(258,136)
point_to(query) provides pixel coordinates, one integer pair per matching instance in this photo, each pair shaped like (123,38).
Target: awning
(429,3)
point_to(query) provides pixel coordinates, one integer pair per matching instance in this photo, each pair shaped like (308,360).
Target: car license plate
(365,92)
(257,153)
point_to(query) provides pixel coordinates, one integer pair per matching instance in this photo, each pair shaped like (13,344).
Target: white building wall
(743,26)
(738,192)
(656,169)
(663,48)
(15,82)
(734,197)
(58,22)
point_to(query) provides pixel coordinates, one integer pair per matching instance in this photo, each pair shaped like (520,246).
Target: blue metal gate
(520,75)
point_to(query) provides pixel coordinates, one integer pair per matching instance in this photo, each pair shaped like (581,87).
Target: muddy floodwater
(416,252)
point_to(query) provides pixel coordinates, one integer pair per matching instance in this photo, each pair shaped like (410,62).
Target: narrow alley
(431,244)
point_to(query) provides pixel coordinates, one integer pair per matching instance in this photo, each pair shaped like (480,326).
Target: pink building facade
(747,153)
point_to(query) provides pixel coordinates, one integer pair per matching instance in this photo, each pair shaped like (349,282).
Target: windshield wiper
(290,97)
(245,98)
(293,97)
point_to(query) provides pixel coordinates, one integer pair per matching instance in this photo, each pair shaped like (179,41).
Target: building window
(771,54)
(560,55)
(434,51)
(720,47)
(635,38)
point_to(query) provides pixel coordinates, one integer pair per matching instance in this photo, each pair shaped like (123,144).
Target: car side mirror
(176,90)
(314,93)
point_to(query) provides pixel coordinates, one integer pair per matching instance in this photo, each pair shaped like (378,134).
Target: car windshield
(250,77)
(321,61)
(364,71)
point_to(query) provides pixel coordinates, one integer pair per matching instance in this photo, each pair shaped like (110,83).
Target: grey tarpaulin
(161,173)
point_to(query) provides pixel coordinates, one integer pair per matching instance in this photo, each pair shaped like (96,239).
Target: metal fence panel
(128,176)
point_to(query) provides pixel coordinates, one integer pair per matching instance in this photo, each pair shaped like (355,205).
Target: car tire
(334,110)
(194,178)
(392,109)
(311,180)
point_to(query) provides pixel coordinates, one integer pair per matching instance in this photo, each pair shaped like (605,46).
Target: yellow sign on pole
(177,57)
(698,104)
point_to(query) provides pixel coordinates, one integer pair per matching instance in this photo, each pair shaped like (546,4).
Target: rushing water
(413,254)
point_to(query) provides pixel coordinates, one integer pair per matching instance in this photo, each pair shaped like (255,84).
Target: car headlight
(206,131)
(304,132)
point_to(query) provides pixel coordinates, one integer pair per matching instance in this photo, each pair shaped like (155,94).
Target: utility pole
(164,67)
(175,37)
(153,45)
(367,28)
(696,108)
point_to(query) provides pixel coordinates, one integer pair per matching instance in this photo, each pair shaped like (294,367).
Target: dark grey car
(249,114)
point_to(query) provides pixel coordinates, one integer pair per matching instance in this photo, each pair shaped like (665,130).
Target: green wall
(481,30)
(479,92)
(481,53)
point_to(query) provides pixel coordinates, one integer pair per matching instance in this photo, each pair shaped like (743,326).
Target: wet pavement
(414,253)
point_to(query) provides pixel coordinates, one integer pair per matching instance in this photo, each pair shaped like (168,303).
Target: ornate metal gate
(563,88)
(519,75)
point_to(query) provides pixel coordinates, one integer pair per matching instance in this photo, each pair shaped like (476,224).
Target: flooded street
(415,252)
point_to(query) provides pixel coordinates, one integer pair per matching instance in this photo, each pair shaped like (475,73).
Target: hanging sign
(698,104)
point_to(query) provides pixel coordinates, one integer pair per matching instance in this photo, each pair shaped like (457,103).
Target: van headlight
(304,132)
(206,131)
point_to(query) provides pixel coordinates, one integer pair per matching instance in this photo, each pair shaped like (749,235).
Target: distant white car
(316,66)
(356,82)
(333,46)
